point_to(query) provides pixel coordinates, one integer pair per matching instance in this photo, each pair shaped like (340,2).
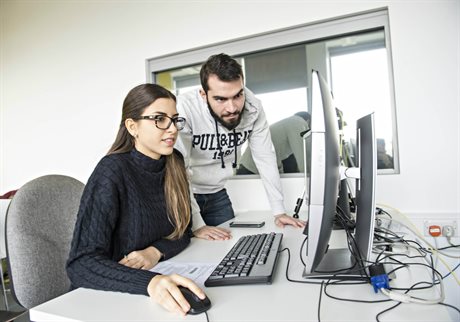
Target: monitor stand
(337,264)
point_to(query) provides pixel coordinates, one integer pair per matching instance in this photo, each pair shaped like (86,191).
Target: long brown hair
(176,188)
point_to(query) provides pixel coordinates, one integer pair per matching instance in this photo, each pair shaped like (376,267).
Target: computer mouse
(197,305)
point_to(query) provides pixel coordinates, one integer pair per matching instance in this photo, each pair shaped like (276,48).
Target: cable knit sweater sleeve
(122,209)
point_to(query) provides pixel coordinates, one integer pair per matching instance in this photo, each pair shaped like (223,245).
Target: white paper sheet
(198,272)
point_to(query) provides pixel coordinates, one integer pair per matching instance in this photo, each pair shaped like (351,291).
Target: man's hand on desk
(212,233)
(283,220)
(164,290)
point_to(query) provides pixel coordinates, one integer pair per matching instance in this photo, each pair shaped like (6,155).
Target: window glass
(353,55)
(360,87)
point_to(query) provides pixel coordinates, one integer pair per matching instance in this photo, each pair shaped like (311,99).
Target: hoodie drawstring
(219,147)
(236,147)
(222,162)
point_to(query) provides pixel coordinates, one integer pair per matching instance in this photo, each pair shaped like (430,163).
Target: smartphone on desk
(247,224)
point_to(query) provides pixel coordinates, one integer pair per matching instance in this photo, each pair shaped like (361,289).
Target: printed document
(198,272)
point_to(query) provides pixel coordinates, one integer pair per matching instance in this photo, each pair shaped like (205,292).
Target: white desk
(280,301)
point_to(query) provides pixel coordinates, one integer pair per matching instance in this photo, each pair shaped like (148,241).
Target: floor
(6,315)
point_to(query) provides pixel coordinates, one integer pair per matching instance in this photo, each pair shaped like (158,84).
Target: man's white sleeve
(264,156)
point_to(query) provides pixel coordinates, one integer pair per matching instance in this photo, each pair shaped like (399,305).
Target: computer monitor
(323,177)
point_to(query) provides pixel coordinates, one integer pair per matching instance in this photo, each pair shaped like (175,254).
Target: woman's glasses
(163,122)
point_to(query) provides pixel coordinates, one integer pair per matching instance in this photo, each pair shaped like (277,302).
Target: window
(353,53)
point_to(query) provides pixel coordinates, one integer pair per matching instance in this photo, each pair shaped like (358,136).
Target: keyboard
(251,260)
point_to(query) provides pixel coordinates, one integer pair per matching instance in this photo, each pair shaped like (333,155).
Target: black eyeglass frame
(176,120)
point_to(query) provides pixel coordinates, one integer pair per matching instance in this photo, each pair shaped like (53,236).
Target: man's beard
(228,125)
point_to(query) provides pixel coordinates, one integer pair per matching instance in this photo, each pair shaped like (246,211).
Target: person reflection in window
(288,143)
(384,160)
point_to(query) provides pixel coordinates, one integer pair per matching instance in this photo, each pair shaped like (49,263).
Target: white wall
(66,67)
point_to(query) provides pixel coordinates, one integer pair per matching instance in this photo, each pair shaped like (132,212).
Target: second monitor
(323,176)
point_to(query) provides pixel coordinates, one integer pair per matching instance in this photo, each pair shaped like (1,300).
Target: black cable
(346,221)
(412,288)
(344,283)
(390,256)
(306,281)
(319,301)
(451,306)
(207,317)
(356,253)
(435,278)
(410,241)
(448,247)
(453,270)
(394,306)
(399,238)
(381,211)
(350,243)
(386,310)
(329,282)
(388,232)
(287,269)
(403,265)
(348,283)
(301,248)
(419,264)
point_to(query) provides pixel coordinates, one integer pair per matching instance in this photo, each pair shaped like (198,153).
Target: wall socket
(443,224)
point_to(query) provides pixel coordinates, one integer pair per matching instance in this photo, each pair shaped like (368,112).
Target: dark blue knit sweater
(122,209)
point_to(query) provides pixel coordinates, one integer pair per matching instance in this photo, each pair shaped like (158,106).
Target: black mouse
(197,305)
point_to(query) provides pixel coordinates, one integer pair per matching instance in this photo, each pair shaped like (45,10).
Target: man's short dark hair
(223,66)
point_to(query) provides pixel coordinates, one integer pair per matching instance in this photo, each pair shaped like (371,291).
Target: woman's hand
(212,233)
(142,259)
(164,290)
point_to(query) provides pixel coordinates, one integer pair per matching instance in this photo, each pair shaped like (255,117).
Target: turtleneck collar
(147,163)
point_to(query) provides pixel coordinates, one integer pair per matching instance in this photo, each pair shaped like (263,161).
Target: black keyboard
(251,260)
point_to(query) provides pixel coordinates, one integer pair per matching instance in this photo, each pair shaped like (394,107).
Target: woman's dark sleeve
(90,264)
(170,248)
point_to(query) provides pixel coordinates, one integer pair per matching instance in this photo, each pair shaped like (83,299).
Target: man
(287,139)
(221,116)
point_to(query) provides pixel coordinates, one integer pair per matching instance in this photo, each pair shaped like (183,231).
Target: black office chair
(39,227)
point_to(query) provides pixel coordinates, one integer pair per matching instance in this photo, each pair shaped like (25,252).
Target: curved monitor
(323,177)
(322,171)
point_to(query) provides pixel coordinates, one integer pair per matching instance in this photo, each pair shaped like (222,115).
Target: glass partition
(353,53)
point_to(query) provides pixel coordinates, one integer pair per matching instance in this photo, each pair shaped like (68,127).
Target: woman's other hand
(212,233)
(142,259)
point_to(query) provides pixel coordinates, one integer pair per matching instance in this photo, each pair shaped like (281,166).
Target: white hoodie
(202,150)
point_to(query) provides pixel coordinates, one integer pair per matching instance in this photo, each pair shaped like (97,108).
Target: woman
(135,209)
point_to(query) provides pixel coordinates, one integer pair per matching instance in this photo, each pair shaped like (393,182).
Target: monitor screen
(323,178)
